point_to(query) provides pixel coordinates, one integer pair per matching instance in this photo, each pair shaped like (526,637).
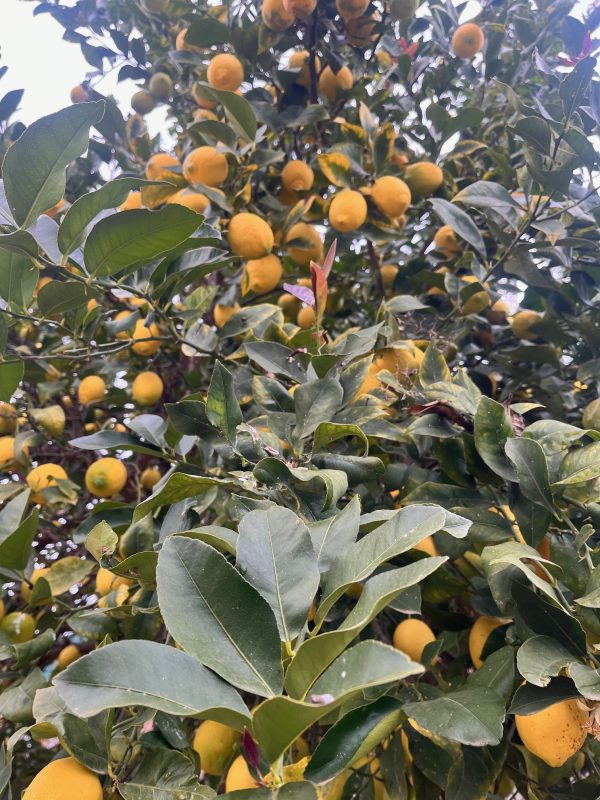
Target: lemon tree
(299,428)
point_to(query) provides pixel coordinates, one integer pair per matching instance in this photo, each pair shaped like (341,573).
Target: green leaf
(165,775)
(532,470)
(234,632)
(21,242)
(66,572)
(497,561)
(355,735)
(536,132)
(276,556)
(12,513)
(26,652)
(15,549)
(328,432)
(178,486)
(460,222)
(469,716)
(206,32)
(470,776)
(222,407)
(150,675)
(101,540)
(331,536)
(278,721)
(547,619)
(16,702)
(434,368)
(123,241)
(34,166)
(580,465)
(238,111)
(18,277)
(407,527)
(529,699)
(316,402)
(58,297)
(113,440)
(492,429)
(497,672)
(74,223)
(541,658)
(276,358)
(316,653)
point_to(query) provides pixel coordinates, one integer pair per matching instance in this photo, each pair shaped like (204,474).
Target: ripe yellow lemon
(7,451)
(468,39)
(423,178)
(223,313)
(428,546)
(132,201)
(106,477)
(300,60)
(412,636)
(391,196)
(388,274)
(225,72)
(261,275)
(18,626)
(150,477)
(145,342)
(8,419)
(521,324)
(64,779)
(91,389)
(275,16)
(205,165)
(215,743)
(249,236)
(158,163)
(37,573)
(306,318)
(68,655)
(556,733)
(310,249)
(348,211)
(300,8)
(239,776)
(351,9)
(43,477)
(297,176)
(195,201)
(446,241)
(332,84)
(478,636)
(362,31)
(147,388)
(106,582)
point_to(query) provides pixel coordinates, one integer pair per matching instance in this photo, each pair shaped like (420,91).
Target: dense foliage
(299,422)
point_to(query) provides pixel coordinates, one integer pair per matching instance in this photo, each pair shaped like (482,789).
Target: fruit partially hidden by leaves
(522,323)
(18,626)
(51,419)
(388,275)
(275,16)
(301,60)
(146,343)
(7,451)
(423,178)
(106,582)
(261,275)
(68,655)
(143,102)
(556,733)
(249,236)
(223,313)
(300,9)
(106,477)
(8,419)
(333,84)
(150,477)
(468,39)
(239,776)
(64,779)
(479,634)
(195,201)
(158,163)
(446,241)
(205,165)
(307,244)
(215,743)
(412,636)
(161,85)
(44,477)
(306,318)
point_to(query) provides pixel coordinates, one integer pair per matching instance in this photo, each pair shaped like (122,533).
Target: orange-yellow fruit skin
(262,275)
(215,743)
(388,275)
(91,389)
(423,178)
(498,312)
(348,211)
(37,573)
(131,202)
(107,582)
(225,72)
(158,163)
(428,546)
(205,165)
(361,31)
(239,776)
(468,39)
(68,655)
(249,236)
(275,16)
(332,84)
(8,419)
(306,318)
(78,94)
(297,176)
(43,477)
(145,345)
(18,626)
(312,251)
(300,60)
(300,9)
(556,733)
(351,9)
(521,324)
(400,361)
(150,477)
(223,313)
(412,636)
(478,636)
(7,451)
(391,196)
(64,779)
(147,388)
(446,241)
(195,201)
(106,477)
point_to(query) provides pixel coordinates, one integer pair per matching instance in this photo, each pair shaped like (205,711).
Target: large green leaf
(34,167)
(18,277)
(316,402)
(580,465)
(529,699)
(151,675)
(58,297)
(237,109)
(472,716)
(541,658)
(15,549)
(548,619)
(275,554)
(123,241)
(178,486)
(278,721)
(12,513)
(222,407)
(492,429)
(331,536)
(357,733)
(316,653)
(532,470)
(85,208)
(234,630)
(404,530)
(165,775)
